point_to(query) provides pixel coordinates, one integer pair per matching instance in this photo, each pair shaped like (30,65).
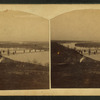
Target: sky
(40,30)
(77,25)
(16,25)
(48,10)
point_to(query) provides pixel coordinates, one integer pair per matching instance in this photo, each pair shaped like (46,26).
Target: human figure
(0,53)
(30,50)
(89,51)
(8,52)
(84,51)
(24,51)
(3,51)
(35,47)
(81,52)
(96,51)
(15,51)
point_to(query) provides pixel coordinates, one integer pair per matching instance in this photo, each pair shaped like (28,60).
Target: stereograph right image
(75,48)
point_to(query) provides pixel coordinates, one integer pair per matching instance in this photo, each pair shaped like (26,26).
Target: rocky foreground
(69,70)
(20,75)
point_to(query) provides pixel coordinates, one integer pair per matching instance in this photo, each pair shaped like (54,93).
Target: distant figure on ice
(96,51)
(8,52)
(84,51)
(89,51)
(1,58)
(24,51)
(0,52)
(81,52)
(0,55)
(15,51)
(3,51)
(30,50)
(35,47)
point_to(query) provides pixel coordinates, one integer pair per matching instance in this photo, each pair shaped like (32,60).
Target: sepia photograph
(75,47)
(49,49)
(24,48)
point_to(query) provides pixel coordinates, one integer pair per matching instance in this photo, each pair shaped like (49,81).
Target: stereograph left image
(24,48)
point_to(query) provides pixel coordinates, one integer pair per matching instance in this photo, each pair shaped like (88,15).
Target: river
(92,55)
(31,57)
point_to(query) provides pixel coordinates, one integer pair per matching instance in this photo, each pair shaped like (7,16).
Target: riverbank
(89,44)
(69,72)
(22,75)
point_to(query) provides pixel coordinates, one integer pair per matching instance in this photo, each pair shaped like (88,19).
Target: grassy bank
(20,75)
(68,72)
